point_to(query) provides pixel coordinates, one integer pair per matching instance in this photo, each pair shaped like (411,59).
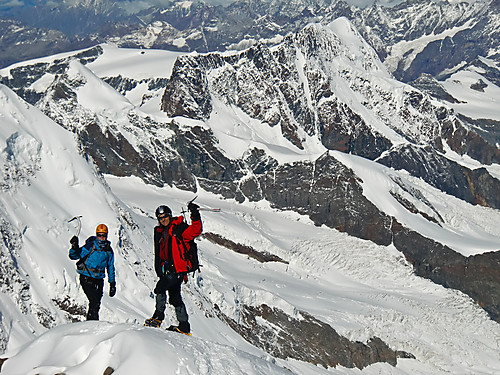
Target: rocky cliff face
(268,85)
(308,339)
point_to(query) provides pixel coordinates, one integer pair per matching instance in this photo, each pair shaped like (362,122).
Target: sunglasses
(161,217)
(101,235)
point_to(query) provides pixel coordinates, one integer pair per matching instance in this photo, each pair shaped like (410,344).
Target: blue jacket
(101,258)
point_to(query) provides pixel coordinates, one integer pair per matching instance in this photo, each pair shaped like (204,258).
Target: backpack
(189,254)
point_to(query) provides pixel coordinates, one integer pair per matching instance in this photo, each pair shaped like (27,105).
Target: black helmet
(163,210)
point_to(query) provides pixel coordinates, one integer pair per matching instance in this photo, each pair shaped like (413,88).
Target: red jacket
(172,242)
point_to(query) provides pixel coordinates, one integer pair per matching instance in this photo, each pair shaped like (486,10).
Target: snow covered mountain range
(348,200)
(411,37)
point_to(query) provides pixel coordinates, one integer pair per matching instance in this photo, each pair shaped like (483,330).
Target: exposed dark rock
(115,155)
(487,71)
(307,339)
(330,194)
(471,143)
(478,276)
(411,207)
(2,360)
(198,150)
(431,86)
(187,92)
(480,85)
(488,129)
(250,189)
(75,312)
(473,186)
(62,91)
(120,84)
(344,130)
(484,187)
(261,256)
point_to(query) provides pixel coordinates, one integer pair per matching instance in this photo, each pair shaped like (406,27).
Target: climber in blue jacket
(94,258)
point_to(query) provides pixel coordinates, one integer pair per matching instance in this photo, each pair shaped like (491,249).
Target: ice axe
(183,212)
(201,208)
(204,208)
(79,224)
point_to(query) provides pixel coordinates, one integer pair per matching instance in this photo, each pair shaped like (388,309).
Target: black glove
(112,289)
(74,243)
(194,210)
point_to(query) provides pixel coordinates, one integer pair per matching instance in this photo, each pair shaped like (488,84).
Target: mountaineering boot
(155,320)
(152,323)
(184,327)
(180,330)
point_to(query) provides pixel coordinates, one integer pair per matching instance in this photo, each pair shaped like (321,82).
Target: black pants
(171,282)
(93,290)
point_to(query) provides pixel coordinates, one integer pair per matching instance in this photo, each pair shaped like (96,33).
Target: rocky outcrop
(113,154)
(261,256)
(330,194)
(344,130)
(74,311)
(187,95)
(21,78)
(473,186)
(466,142)
(478,276)
(198,150)
(267,85)
(307,339)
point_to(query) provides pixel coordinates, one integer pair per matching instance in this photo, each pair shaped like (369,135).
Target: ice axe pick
(79,223)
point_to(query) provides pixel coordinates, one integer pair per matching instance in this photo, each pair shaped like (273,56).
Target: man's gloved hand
(74,243)
(112,289)
(194,209)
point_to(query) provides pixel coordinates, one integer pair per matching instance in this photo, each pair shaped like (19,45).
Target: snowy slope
(482,103)
(361,289)
(45,183)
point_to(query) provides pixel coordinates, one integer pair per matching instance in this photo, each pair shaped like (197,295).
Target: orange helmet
(101,228)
